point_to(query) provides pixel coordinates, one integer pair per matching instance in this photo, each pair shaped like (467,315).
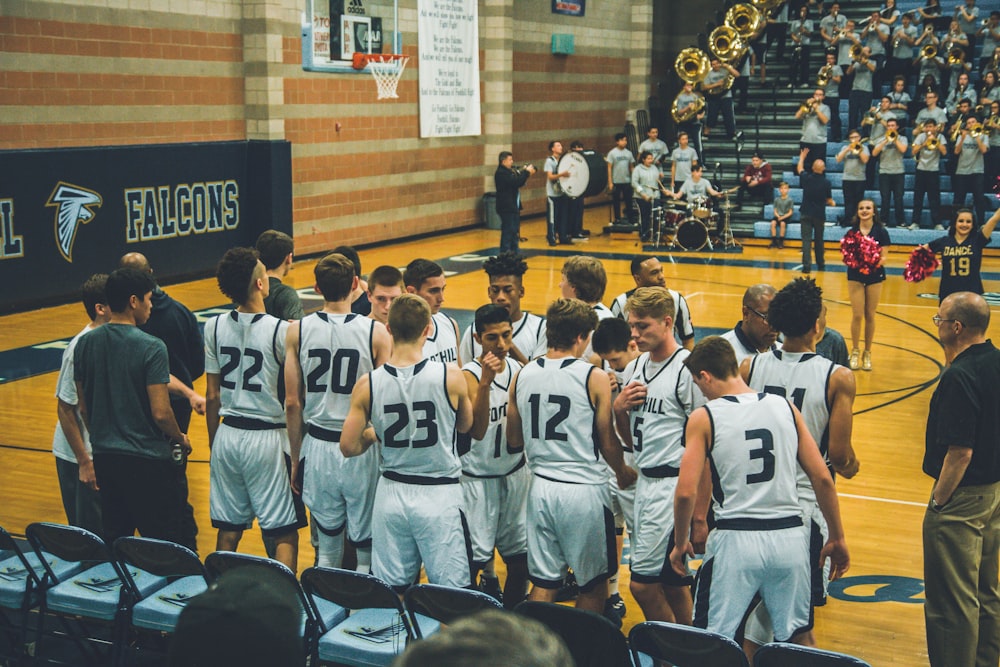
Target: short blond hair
(587,276)
(655,302)
(409,315)
(566,320)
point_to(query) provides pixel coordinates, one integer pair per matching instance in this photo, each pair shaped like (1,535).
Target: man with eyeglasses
(961,527)
(753,335)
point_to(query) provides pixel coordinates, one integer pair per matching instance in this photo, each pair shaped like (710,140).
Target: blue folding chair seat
(783,654)
(14,575)
(96,592)
(160,611)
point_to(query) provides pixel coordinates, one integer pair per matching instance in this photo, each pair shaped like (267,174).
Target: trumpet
(956,55)
(891,136)
(932,143)
(977,130)
(872,116)
(825,76)
(809,106)
(855,146)
(928,52)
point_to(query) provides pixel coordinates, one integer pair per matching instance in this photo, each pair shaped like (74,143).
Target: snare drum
(692,234)
(672,218)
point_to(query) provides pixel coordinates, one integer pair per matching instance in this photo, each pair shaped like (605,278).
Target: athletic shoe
(781,243)
(612,616)
(866,360)
(491,586)
(854,361)
(615,605)
(939,227)
(913,227)
(570,589)
(585,232)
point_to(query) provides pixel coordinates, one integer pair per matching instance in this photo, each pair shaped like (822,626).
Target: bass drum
(692,234)
(588,174)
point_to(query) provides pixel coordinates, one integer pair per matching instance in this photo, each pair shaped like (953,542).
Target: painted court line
(882,500)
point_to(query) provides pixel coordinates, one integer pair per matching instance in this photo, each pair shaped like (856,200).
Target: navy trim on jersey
(557,481)
(759,524)
(612,552)
(280,530)
(323,434)
(661,472)
(818,584)
(274,343)
(703,593)
(360,544)
(520,464)
(419,479)
(331,532)
(250,424)
(548,584)
(371,341)
(590,399)
(667,576)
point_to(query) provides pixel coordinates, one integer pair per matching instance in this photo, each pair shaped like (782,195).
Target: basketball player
(584,278)
(384,284)
(426,279)
(560,414)
(753,335)
(417,407)
(824,394)
(506,289)
(650,412)
(325,353)
(244,351)
(648,272)
(495,480)
(71,442)
(756,443)
(614,349)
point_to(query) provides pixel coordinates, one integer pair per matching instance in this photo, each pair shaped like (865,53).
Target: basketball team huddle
(540,439)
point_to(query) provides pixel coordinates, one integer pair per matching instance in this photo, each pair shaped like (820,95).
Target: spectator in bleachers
(814,114)
(831,92)
(988,37)
(968,22)
(899,101)
(855,156)
(929,67)
(801,30)
(971,147)
(928,148)
(903,38)
(993,155)
(756,181)
(953,41)
(891,180)
(961,90)
(784,207)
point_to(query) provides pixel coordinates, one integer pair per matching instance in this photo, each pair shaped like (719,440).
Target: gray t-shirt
(803,29)
(854,168)
(928,159)
(989,41)
(966,26)
(937,114)
(620,160)
(830,25)
(874,42)
(844,50)
(891,158)
(714,77)
(833,88)
(863,77)
(282,301)
(903,50)
(813,130)
(690,189)
(783,205)
(931,66)
(115,364)
(683,158)
(878,129)
(970,160)
(657,148)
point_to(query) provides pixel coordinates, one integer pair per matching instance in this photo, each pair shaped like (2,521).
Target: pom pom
(920,265)
(860,252)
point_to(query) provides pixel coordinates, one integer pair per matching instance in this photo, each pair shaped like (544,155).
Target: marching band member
(928,147)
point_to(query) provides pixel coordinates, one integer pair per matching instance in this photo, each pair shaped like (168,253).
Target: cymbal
(675,202)
(727,205)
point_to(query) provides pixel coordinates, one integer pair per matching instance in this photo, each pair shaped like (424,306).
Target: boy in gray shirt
(890,152)
(620,163)
(783,209)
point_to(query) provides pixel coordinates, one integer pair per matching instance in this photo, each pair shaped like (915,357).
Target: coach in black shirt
(962,522)
(816,196)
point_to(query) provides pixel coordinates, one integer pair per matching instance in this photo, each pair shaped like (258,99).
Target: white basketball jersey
(803,378)
(754,457)
(442,344)
(529,336)
(247,351)
(658,424)
(557,418)
(414,420)
(334,351)
(683,329)
(489,457)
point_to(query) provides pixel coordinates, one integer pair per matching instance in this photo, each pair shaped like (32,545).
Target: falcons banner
(67,214)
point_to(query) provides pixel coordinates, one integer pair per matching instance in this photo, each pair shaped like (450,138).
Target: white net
(387,72)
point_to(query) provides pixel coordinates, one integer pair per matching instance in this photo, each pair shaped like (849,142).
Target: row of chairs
(138,587)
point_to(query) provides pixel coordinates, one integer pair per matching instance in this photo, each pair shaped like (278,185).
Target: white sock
(330,552)
(364,559)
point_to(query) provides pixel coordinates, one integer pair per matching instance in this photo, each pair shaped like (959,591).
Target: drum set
(686,224)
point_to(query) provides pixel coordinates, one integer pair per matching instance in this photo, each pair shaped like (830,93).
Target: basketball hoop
(386,69)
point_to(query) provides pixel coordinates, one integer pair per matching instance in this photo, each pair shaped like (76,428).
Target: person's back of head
(122,284)
(489,639)
(587,276)
(236,270)
(274,247)
(94,293)
(409,316)
(335,276)
(567,320)
(611,335)
(350,253)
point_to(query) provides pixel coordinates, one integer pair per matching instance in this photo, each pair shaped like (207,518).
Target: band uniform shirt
(928,159)
(814,131)
(620,160)
(552,188)
(714,77)
(891,158)
(682,159)
(854,168)
(971,160)
(832,89)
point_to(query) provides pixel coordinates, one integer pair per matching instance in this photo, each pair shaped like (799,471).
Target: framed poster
(569,7)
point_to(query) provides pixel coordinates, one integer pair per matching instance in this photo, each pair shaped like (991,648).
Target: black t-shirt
(815,193)
(960,263)
(965,412)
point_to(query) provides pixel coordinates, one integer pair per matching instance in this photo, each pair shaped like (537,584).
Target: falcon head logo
(74,206)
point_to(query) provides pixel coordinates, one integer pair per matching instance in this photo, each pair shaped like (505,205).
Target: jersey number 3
(426,420)
(764,453)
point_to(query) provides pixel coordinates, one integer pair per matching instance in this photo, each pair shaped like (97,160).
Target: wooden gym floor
(877,614)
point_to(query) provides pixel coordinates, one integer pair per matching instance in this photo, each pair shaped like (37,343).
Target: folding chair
(186,577)
(684,646)
(444,604)
(377,629)
(593,640)
(94,592)
(316,619)
(20,591)
(781,654)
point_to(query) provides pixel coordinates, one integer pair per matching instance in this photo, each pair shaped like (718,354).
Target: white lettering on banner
(152,214)
(449,68)
(11,244)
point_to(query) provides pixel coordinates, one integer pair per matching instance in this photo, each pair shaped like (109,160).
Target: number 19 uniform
(247,471)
